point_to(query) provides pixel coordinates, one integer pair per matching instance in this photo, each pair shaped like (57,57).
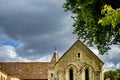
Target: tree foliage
(113,75)
(86,16)
(112,17)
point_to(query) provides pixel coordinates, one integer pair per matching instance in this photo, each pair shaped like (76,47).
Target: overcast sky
(31,29)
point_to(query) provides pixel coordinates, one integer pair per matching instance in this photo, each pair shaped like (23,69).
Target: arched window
(86,74)
(71,74)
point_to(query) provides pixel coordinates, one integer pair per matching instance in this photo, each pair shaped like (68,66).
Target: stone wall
(70,59)
(3,76)
(12,78)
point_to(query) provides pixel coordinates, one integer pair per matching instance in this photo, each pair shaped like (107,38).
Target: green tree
(113,75)
(110,74)
(111,18)
(86,16)
(117,77)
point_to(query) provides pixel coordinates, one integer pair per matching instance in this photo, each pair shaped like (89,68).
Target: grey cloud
(111,60)
(32,19)
(39,24)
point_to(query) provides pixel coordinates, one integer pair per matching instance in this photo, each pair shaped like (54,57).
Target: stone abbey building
(77,63)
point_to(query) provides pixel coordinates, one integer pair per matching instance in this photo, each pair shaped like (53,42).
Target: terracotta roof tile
(26,70)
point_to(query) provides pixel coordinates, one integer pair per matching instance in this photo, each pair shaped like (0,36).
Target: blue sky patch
(11,43)
(5,40)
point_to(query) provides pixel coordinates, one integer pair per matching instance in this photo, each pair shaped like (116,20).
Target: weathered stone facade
(3,76)
(78,63)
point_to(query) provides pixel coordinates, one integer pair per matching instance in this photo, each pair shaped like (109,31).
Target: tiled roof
(26,70)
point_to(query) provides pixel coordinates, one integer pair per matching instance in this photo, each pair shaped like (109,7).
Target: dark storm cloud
(25,16)
(39,24)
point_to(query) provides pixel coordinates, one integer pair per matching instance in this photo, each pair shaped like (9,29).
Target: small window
(78,55)
(97,73)
(51,74)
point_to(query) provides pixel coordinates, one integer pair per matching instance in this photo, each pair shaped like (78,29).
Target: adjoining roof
(26,70)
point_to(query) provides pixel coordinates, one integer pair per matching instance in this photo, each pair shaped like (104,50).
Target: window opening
(71,74)
(86,74)
(78,55)
(51,74)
